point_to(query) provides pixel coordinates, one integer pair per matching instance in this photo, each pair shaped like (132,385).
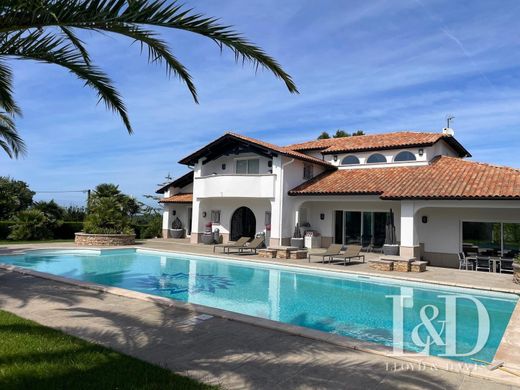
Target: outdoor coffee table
(283,252)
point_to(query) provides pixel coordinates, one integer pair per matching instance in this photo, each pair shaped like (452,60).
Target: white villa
(341,189)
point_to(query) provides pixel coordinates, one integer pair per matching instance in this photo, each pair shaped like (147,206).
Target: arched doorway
(243,223)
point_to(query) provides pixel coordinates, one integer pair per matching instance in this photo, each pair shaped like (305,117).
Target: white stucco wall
(227,207)
(443,231)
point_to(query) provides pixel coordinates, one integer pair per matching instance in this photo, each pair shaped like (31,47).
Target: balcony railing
(235,186)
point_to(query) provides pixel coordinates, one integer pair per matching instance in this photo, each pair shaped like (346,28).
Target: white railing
(235,186)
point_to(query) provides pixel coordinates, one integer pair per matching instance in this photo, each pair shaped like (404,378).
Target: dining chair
(483,264)
(464,263)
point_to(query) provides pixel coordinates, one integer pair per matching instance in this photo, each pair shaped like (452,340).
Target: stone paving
(218,351)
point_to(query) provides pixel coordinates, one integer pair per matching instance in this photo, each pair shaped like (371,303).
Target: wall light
(421,152)
(424,219)
(223,167)
(174,212)
(322,216)
(335,157)
(204,214)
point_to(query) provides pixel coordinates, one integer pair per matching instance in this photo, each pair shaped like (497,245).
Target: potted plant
(390,248)
(207,238)
(297,239)
(516,270)
(177,230)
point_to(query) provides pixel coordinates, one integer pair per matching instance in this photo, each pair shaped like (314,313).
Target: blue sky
(374,65)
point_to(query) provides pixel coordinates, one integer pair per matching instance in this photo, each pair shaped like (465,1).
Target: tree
(341,134)
(51,209)
(74,214)
(324,135)
(358,132)
(15,196)
(46,31)
(110,211)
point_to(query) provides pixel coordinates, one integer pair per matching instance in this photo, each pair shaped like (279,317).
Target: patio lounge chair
(352,252)
(332,250)
(254,245)
(238,243)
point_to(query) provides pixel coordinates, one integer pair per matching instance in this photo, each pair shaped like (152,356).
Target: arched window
(350,160)
(405,156)
(376,158)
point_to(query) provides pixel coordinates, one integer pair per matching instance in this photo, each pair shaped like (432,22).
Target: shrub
(32,224)
(67,229)
(153,229)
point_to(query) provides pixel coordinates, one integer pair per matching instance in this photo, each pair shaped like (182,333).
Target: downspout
(282,196)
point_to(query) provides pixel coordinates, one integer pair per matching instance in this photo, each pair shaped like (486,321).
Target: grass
(10,242)
(36,357)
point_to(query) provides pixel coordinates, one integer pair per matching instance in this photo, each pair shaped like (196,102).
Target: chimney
(448,131)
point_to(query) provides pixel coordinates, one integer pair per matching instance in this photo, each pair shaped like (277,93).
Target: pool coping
(426,362)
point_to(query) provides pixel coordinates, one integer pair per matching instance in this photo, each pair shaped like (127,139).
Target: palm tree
(45,31)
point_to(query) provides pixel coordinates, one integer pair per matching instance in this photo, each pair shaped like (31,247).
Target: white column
(195,212)
(167,220)
(409,237)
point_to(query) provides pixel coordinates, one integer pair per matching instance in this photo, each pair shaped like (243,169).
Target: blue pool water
(344,304)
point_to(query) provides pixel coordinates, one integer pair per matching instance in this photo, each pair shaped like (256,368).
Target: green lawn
(36,357)
(9,242)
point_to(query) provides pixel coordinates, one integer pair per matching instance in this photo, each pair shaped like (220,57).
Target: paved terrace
(232,354)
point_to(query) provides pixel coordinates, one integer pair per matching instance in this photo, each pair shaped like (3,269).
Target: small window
(350,160)
(248,167)
(215,216)
(307,171)
(376,158)
(405,156)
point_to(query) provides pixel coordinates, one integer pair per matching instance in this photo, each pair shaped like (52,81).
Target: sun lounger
(352,252)
(254,245)
(238,243)
(332,250)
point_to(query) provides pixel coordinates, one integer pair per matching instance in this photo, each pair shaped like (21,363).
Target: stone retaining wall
(85,239)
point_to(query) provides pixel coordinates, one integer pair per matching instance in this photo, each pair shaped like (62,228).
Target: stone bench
(299,254)
(419,266)
(268,253)
(401,264)
(381,265)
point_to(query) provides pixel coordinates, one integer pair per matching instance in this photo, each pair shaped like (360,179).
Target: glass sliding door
(379,229)
(511,239)
(338,227)
(368,229)
(352,227)
(491,238)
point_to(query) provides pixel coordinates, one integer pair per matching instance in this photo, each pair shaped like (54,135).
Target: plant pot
(207,239)
(391,250)
(177,233)
(297,242)
(516,273)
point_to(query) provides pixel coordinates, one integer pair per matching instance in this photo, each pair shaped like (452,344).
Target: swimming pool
(345,304)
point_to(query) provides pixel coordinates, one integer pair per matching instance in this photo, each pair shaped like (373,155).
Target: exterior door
(243,224)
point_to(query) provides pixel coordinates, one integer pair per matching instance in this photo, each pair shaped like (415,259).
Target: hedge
(68,228)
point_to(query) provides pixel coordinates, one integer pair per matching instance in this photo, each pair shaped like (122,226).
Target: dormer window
(376,158)
(405,156)
(350,160)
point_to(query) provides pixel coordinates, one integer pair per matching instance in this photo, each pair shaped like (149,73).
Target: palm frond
(10,140)
(7,102)
(110,14)
(48,48)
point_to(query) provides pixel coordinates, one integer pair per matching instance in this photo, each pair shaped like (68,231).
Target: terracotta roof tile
(378,141)
(444,178)
(178,198)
